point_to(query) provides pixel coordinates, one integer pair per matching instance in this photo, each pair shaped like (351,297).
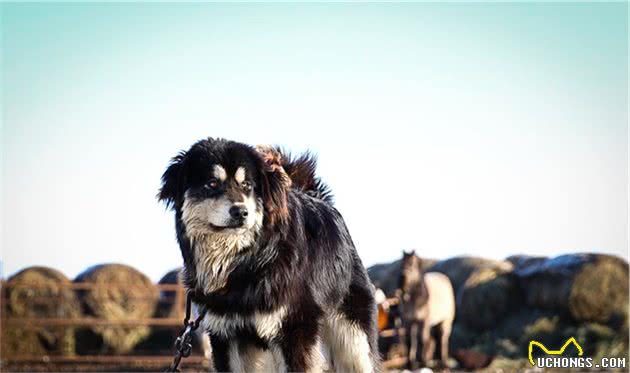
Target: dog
(271,259)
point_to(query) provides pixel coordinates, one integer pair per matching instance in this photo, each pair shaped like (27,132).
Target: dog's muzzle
(238,213)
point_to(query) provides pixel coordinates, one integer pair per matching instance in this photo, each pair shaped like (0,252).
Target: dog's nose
(238,212)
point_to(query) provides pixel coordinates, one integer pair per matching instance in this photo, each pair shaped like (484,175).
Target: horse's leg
(412,352)
(429,349)
(426,340)
(445,329)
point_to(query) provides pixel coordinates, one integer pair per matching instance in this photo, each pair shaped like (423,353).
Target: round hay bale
(160,340)
(171,277)
(522,261)
(486,297)
(385,276)
(40,292)
(459,269)
(119,292)
(600,290)
(589,287)
(510,336)
(166,305)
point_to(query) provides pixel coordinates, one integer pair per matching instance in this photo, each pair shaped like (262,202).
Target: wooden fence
(111,362)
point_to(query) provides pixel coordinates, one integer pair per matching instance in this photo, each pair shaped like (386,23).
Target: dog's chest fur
(265,324)
(214,257)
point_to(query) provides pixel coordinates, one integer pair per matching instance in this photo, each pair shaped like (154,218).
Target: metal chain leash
(183,343)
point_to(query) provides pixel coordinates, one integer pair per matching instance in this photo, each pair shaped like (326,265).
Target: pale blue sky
(484,129)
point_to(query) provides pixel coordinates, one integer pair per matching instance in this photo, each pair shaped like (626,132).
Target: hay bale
(427,263)
(589,287)
(119,292)
(166,305)
(40,292)
(600,340)
(600,290)
(522,261)
(486,297)
(459,269)
(510,336)
(160,340)
(387,275)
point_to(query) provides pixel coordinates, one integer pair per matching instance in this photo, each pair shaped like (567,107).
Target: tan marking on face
(219,172)
(239,176)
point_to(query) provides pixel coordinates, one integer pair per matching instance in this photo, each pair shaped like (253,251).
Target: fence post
(179,302)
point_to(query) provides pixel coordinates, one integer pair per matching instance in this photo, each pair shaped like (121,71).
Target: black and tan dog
(271,258)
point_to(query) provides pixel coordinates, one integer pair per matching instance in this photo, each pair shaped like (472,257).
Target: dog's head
(221,186)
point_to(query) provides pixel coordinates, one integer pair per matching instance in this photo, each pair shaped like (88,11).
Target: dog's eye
(212,184)
(247,186)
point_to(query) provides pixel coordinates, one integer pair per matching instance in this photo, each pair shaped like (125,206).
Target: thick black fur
(303,259)
(301,171)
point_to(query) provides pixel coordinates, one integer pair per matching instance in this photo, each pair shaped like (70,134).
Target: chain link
(183,343)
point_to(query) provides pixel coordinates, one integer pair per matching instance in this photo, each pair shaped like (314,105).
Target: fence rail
(88,321)
(85,361)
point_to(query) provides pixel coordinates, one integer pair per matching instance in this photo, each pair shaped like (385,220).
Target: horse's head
(411,271)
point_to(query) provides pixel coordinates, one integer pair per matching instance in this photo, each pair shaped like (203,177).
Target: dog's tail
(301,171)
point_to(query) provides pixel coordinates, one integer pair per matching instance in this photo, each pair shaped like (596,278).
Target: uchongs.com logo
(555,358)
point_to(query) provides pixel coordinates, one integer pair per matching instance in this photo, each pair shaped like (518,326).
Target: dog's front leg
(300,348)
(220,353)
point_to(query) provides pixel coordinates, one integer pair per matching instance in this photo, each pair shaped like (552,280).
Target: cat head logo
(553,352)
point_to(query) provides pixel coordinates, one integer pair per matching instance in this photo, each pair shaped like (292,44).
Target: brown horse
(426,301)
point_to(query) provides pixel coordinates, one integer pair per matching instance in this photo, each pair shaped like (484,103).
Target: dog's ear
(275,185)
(173,181)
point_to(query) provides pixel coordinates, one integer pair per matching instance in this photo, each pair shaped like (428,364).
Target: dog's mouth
(219,228)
